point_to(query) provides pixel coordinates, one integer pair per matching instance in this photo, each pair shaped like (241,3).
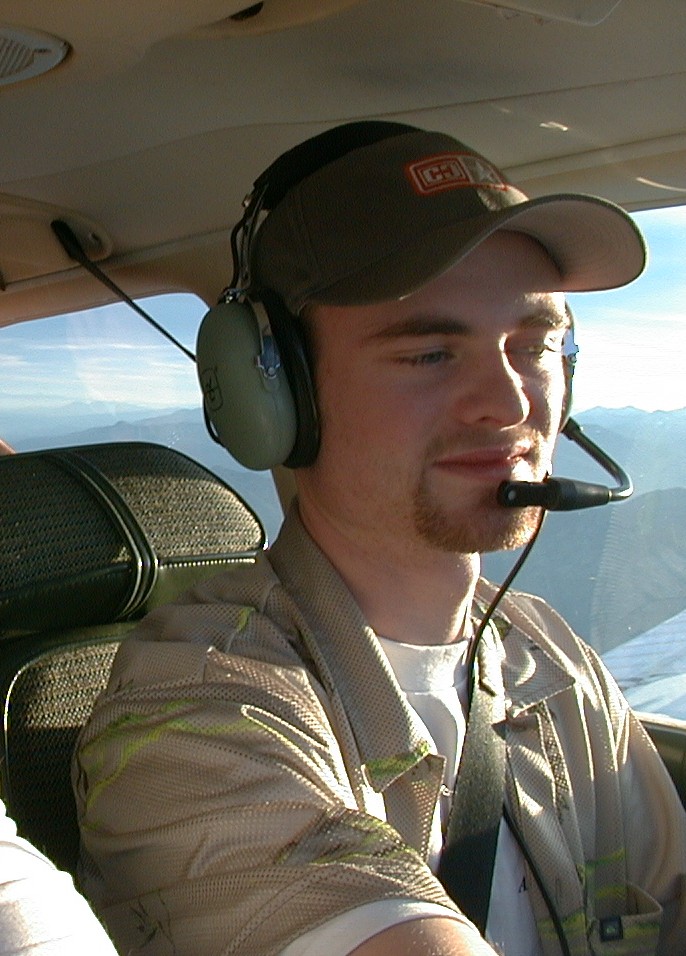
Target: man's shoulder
(528,618)
(538,638)
(243,611)
(529,613)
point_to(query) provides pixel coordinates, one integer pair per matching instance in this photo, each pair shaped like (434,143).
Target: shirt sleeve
(342,934)
(40,910)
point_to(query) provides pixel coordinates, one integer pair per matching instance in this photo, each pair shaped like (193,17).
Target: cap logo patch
(452,171)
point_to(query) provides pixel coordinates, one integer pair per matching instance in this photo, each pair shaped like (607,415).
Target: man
(271,767)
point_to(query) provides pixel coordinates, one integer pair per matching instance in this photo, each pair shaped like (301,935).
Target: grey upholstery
(91,538)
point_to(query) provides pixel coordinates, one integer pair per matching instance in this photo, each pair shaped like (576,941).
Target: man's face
(428,403)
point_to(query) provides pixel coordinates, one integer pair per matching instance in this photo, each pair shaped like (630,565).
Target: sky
(103,355)
(632,344)
(632,341)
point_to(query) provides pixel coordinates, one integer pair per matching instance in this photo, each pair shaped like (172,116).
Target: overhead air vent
(26,53)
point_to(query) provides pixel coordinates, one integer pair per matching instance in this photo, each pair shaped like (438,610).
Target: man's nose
(492,392)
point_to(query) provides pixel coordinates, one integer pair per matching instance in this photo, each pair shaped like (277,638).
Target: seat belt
(466,864)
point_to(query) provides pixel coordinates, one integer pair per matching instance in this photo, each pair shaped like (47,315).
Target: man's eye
(434,357)
(537,351)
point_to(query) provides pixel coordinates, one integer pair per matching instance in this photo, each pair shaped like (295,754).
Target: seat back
(91,539)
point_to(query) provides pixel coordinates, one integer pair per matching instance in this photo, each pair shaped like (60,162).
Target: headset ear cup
(250,407)
(297,362)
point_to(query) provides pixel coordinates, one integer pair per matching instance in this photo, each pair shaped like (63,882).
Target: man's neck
(416,595)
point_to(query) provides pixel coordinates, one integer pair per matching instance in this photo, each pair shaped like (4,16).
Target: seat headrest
(101,533)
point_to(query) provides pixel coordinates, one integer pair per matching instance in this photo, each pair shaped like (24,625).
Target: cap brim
(594,244)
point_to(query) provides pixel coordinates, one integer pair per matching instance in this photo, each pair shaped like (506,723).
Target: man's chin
(481,529)
(515,537)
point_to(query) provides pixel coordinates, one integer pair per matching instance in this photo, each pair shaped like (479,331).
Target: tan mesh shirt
(231,780)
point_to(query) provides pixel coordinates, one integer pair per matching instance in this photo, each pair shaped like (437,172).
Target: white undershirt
(434,680)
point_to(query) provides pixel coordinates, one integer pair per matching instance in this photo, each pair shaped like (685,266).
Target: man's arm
(40,910)
(428,936)
(211,777)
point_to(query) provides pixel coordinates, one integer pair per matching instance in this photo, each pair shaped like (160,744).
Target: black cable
(471,657)
(471,670)
(557,923)
(499,595)
(72,247)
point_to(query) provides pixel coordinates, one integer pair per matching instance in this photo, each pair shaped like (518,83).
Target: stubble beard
(485,526)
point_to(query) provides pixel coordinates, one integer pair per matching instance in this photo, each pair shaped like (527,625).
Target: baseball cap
(385,218)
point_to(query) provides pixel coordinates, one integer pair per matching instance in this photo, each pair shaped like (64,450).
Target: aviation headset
(253,358)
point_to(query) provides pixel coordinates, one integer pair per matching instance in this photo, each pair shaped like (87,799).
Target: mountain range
(614,572)
(617,570)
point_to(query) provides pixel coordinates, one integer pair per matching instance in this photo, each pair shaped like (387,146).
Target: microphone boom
(566,494)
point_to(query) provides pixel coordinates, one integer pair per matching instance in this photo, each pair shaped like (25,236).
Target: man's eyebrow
(418,325)
(546,320)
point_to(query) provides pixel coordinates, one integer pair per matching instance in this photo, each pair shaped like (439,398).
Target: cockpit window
(617,573)
(106,375)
